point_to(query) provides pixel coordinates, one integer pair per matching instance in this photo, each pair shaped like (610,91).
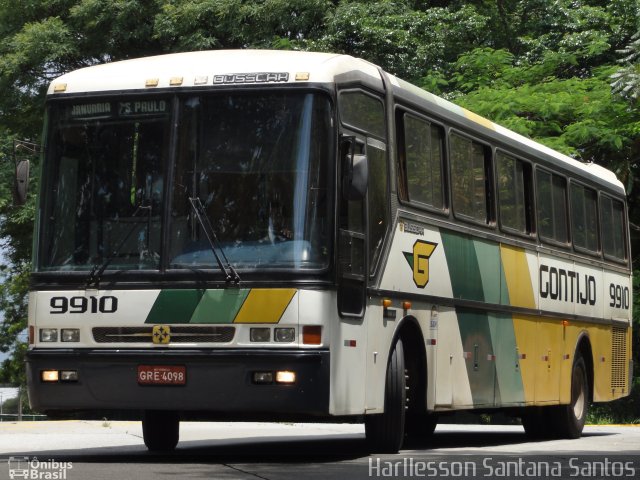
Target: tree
(626,81)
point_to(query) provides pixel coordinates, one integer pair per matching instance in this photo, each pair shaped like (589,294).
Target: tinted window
(513,186)
(258,164)
(423,152)
(103,187)
(552,206)
(613,231)
(584,217)
(468,178)
(363,112)
(377,197)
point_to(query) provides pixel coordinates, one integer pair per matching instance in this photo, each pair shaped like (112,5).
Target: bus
(296,236)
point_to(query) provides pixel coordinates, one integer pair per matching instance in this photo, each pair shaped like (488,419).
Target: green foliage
(406,42)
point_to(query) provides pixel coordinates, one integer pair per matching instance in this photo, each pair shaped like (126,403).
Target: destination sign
(88,110)
(143,107)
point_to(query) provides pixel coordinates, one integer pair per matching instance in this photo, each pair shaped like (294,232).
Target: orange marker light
(386,303)
(406,305)
(312,335)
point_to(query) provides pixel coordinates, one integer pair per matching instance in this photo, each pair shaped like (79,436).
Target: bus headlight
(48,334)
(285,376)
(70,334)
(260,334)
(69,376)
(50,376)
(284,335)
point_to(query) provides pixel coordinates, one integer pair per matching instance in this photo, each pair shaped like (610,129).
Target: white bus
(290,235)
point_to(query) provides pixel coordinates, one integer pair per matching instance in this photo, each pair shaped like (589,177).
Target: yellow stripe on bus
(265,305)
(516,272)
(474,117)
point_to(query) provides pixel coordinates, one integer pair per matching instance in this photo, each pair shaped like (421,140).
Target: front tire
(385,432)
(160,430)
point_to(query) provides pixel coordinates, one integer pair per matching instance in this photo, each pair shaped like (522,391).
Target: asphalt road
(76,450)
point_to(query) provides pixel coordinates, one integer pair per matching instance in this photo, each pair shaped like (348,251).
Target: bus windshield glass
(258,162)
(103,184)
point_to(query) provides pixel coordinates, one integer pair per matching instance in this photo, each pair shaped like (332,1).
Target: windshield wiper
(229,272)
(98,269)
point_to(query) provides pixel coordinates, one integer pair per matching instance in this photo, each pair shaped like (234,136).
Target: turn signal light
(312,335)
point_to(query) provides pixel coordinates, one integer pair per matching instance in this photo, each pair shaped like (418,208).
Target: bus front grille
(178,334)
(619,358)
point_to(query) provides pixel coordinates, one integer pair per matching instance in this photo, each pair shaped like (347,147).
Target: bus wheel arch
(406,370)
(418,423)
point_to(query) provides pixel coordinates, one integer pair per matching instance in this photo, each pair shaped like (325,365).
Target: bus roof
(208,68)
(199,69)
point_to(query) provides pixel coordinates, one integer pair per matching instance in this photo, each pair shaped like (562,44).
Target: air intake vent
(181,334)
(619,358)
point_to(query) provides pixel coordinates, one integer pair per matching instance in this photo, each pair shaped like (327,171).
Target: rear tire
(562,421)
(385,432)
(570,419)
(160,430)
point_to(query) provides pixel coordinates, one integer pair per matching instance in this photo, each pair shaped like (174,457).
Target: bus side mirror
(355,171)
(21,183)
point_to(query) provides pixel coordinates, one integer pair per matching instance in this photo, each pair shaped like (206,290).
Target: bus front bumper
(218,381)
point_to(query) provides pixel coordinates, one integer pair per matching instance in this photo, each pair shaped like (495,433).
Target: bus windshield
(257,162)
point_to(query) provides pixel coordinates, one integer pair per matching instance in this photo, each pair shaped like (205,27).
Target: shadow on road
(280,449)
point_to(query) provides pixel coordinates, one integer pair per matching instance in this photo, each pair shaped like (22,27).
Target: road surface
(95,450)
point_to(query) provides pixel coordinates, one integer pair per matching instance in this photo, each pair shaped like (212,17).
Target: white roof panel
(205,68)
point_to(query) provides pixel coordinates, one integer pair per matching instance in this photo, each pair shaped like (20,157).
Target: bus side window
(613,231)
(514,194)
(552,206)
(469,179)
(365,113)
(423,151)
(584,218)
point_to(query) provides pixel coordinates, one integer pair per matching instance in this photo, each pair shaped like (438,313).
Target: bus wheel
(570,419)
(160,430)
(385,432)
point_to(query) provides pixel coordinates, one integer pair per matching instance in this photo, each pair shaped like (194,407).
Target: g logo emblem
(161,334)
(419,261)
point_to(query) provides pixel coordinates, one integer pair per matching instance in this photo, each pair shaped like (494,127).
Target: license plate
(162,375)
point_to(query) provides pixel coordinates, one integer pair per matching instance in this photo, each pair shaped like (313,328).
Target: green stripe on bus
(476,343)
(494,284)
(219,306)
(464,270)
(508,375)
(174,306)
